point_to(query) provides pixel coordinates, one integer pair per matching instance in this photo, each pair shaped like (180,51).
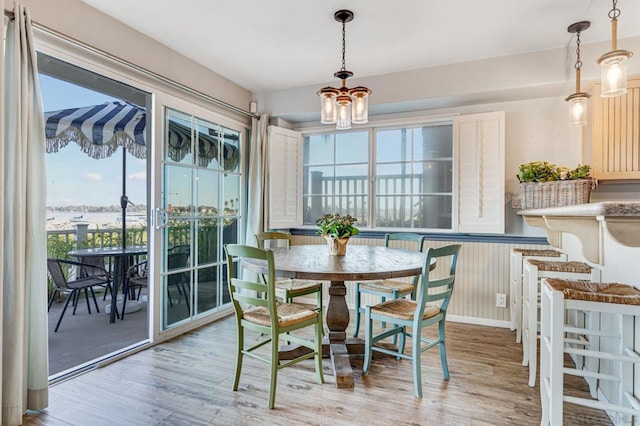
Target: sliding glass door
(200,211)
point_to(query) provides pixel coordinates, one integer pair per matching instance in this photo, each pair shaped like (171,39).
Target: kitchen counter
(591,224)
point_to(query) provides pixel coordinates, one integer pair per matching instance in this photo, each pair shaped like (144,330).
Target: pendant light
(613,64)
(578,100)
(344,106)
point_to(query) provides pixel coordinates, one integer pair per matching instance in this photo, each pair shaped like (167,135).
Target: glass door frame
(162,103)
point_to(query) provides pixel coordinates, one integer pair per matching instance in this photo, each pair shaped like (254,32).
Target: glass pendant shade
(578,110)
(328,113)
(360,107)
(343,103)
(613,73)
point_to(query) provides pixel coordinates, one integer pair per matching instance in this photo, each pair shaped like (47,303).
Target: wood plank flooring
(187,381)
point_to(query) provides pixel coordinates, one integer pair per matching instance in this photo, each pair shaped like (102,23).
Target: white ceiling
(266,45)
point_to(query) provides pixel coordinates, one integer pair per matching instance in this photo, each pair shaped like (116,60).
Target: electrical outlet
(501,300)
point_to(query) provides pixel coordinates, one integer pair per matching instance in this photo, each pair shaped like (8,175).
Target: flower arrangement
(337,226)
(541,171)
(544,185)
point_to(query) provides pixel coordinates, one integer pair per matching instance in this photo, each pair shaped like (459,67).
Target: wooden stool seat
(596,292)
(569,267)
(539,253)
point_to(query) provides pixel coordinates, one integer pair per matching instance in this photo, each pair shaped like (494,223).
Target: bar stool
(532,272)
(558,296)
(515,281)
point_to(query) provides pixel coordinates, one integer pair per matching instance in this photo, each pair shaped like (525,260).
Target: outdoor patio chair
(136,277)
(98,271)
(59,270)
(269,317)
(178,259)
(409,317)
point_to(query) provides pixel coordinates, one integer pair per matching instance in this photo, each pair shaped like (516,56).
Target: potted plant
(544,184)
(337,229)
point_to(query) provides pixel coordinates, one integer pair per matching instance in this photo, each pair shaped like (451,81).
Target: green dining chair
(269,317)
(289,288)
(390,288)
(409,317)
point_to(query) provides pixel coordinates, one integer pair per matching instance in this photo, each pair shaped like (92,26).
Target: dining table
(122,257)
(360,263)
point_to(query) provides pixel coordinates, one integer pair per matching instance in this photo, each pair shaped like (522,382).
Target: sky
(74,178)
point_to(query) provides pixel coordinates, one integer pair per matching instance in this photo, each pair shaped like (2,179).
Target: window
(336,176)
(414,176)
(412,171)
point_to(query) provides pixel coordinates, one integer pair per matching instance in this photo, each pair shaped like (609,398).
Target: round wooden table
(361,263)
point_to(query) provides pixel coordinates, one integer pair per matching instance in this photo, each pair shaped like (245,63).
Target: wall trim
(479,321)
(437,236)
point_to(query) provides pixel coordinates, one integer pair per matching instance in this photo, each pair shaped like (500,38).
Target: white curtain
(24,373)
(258,168)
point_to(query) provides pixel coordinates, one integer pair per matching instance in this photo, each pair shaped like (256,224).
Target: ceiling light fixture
(344,106)
(613,64)
(578,100)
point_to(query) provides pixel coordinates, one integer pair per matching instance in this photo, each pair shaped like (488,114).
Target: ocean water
(94,219)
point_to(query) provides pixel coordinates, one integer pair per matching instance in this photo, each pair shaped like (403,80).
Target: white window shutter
(284,178)
(479,144)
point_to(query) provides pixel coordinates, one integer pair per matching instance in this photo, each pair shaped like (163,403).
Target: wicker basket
(538,195)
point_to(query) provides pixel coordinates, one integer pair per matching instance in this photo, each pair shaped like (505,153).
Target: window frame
(372,128)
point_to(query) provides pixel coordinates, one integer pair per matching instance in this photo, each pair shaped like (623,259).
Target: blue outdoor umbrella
(100,130)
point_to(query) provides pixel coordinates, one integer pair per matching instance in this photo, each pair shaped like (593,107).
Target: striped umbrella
(100,130)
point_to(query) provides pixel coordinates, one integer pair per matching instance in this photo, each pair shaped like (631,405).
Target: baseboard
(479,321)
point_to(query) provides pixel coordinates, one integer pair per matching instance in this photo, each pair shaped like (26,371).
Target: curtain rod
(137,68)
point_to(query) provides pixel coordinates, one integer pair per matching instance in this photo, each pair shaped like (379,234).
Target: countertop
(605,208)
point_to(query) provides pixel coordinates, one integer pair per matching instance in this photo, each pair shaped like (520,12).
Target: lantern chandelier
(344,106)
(613,64)
(578,100)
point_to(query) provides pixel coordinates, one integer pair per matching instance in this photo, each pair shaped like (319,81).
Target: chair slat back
(271,239)
(241,290)
(438,289)
(419,241)
(57,274)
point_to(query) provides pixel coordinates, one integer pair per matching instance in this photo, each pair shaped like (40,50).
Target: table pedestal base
(340,357)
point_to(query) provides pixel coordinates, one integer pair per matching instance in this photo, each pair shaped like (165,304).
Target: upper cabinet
(616,133)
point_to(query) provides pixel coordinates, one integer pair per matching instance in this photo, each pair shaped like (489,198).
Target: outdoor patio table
(121,256)
(313,262)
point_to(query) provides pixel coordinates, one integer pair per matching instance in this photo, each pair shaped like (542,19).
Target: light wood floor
(187,381)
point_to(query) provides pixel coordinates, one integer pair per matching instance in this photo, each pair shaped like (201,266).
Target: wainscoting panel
(482,272)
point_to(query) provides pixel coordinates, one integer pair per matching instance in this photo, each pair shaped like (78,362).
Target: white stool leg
(524,321)
(545,355)
(556,356)
(512,289)
(532,324)
(591,363)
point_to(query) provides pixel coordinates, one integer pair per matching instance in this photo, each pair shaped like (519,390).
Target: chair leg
(95,302)
(125,290)
(443,349)
(275,361)
(394,340)
(356,302)
(367,340)
(71,296)
(384,324)
(239,355)
(53,297)
(319,334)
(415,359)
